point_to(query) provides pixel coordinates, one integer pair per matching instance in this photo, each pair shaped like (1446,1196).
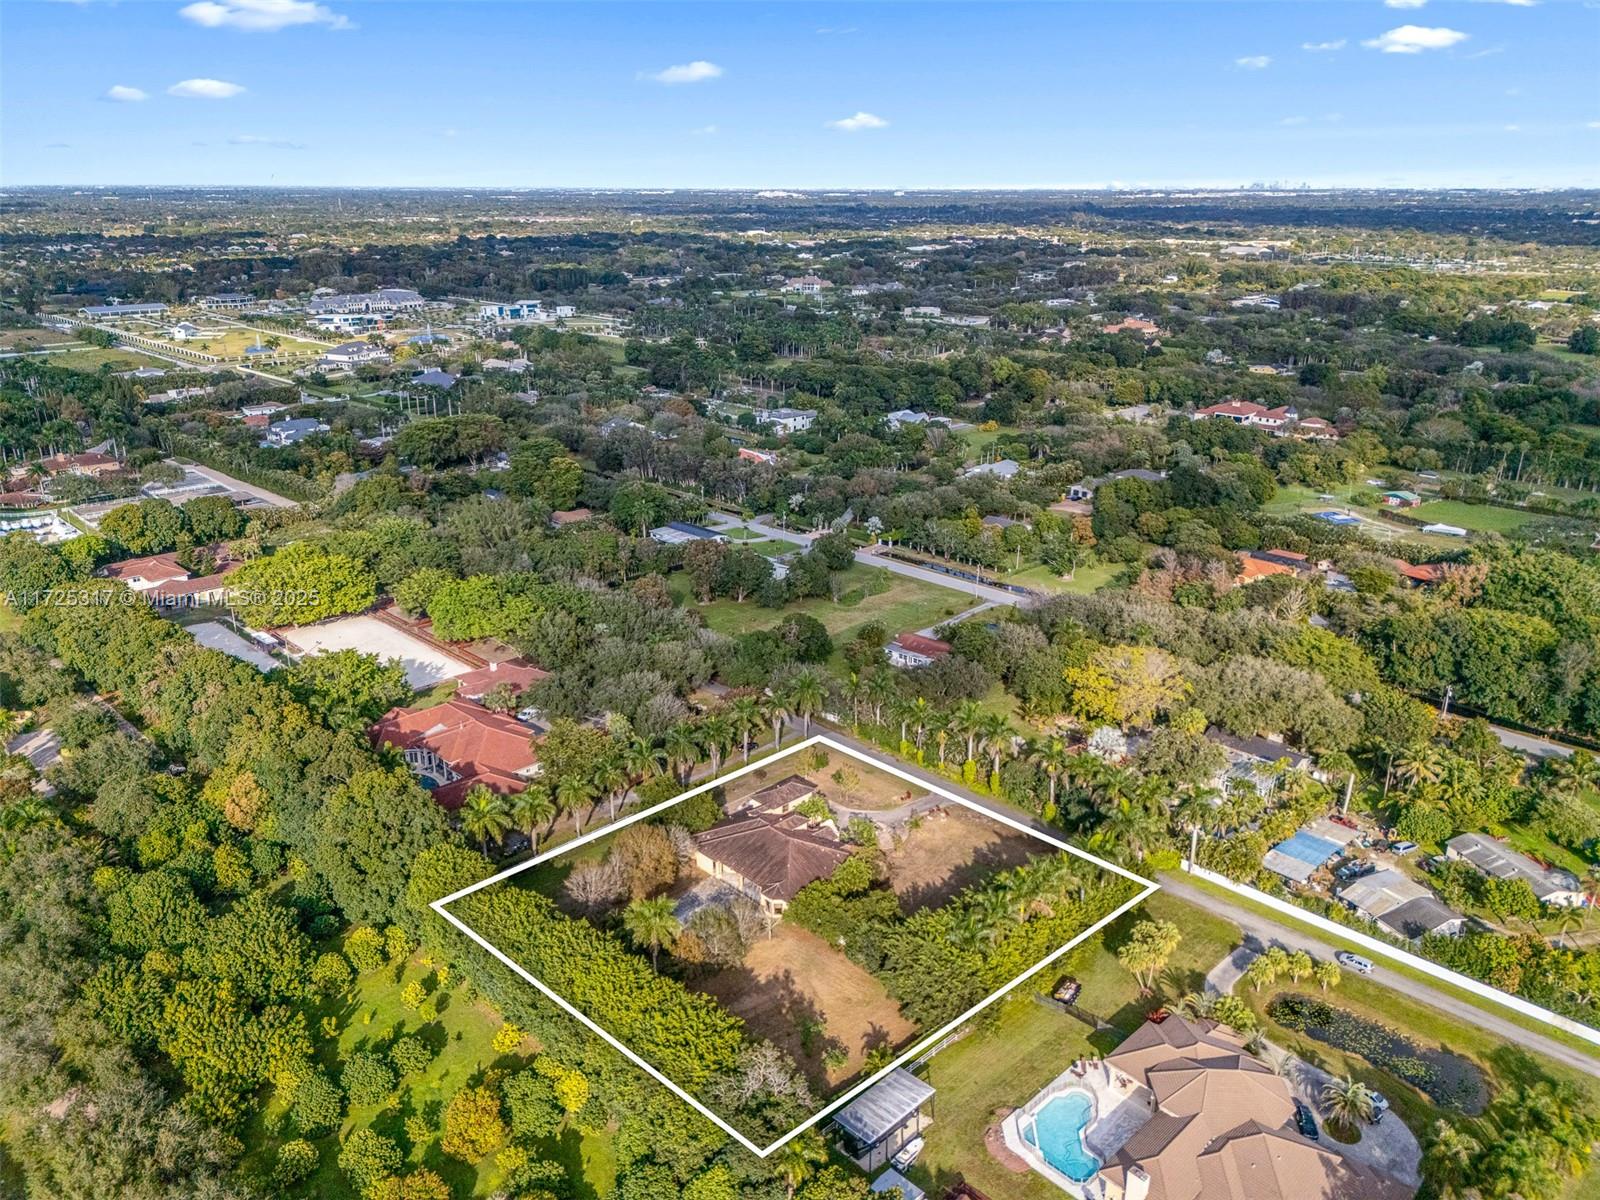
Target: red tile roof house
(152,571)
(455,745)
(1139,325)
(1243,412)
(915,650)
(475,685)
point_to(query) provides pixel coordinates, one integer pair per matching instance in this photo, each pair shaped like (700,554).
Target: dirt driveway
(953,848)
(807,997)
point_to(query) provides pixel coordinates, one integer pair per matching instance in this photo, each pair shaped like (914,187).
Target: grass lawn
(459,1032)
(1481,517)
(1024,1045)
(92,358)
(907,604)
(1084,580)
(981,439)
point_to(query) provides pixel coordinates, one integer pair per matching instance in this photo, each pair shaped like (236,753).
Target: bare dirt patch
(950,849)
(806,997)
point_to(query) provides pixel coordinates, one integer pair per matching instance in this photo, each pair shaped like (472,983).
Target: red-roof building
(570,516)
(1420,574)
(1145,329)
(455,745)
(141,574)
(1284,421)
(520,675)
(915,650)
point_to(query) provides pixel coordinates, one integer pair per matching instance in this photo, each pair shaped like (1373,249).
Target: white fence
(1415,961)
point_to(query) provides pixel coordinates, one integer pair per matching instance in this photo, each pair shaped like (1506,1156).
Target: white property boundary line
(1414,961)
(441,905)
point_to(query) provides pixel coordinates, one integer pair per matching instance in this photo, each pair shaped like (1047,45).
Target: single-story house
(769,856)
(1400,904)
(453,746)
(1499,861)
(90,463)
(678,533)
(1005,468)
(1400,499)
(876,1124)
(520,675)
(782,797)
(1250,757)
(141,574)
(438,379)
(1084,489)
(910,650)
(122,310)
(287,433)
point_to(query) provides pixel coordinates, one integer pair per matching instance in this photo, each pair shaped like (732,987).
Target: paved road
(239,485)
(1531,745)
(869,556)
(1267,932)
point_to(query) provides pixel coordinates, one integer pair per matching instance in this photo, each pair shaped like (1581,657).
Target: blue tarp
(1336,518)
(1308,848)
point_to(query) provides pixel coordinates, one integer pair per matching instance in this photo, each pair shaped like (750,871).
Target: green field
(1484,518)
(1084,580)
(908,604)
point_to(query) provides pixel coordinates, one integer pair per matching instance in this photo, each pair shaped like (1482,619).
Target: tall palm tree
(716,735)
(485,815)
(965,722)
(611,778)
(996,734)
(806,695)
(652,923)
(1348,1101)
(881,691)
(530,809)
(777,710)
(745,716)
(1419,765)
(642,759)
(1053,758)
(855,691)
(573,792)
(682,748)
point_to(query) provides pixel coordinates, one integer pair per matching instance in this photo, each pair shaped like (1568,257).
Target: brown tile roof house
(769,856)
(780,797)
(79,464)
(570,516)
(148,572)
(454,745)
(1223,1126)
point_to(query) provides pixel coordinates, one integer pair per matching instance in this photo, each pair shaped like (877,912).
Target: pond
(1451,1081)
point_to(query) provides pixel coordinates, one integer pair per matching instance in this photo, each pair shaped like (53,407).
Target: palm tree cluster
(632,761)
(1011,897)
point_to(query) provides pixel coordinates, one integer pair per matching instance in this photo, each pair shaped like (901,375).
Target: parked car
(1353,962)
(1355,869)
(1305,1122)
(908,1154)
(1402,847)
(1380,1105)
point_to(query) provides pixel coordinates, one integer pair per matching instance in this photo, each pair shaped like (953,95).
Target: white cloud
(261,16)
(1323,47)
(1414,39)
(250,139)
(1293,120)
(204,89)
(697,71)
(1594,125)
(123,94)
(704,131)
(1404,3)
(1513,128)
(861,120)
(1253,62)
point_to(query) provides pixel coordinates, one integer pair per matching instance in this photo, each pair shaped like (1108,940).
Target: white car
(1353,962)
(908,1154)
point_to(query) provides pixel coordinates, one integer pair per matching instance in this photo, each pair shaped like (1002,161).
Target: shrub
(531,1101)
(331,974)
(368,1157)
(317,1105)
(472,1124)
(410,1055)
(296,1160)
(364,948)
(366,1079)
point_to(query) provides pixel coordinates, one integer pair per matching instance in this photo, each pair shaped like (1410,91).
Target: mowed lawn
(1025,1045)
(906,605)
(1485,518)
(1084,580)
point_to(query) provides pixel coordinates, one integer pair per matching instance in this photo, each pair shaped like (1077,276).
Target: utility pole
(1449,694)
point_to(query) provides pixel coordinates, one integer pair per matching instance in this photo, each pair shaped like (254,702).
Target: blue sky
(796,95)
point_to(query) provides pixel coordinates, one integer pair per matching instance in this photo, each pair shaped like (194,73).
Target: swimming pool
(1057,1133)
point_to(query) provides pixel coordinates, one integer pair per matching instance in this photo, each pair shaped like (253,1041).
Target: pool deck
(1121,1108)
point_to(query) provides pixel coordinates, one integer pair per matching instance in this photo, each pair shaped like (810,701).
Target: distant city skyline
(1353,93)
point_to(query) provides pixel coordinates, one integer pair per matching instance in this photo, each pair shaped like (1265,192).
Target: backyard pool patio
(1076,1123)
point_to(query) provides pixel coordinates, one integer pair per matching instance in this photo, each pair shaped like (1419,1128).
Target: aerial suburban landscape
(621,622)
